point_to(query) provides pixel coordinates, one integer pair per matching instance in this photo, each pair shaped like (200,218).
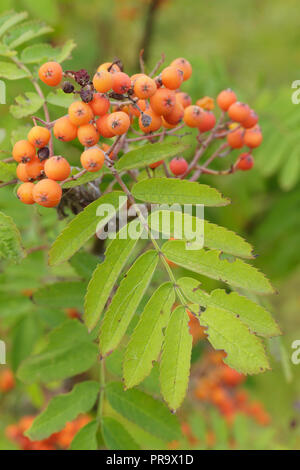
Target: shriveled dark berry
(68,87)
(87,94)
(43,153)
(146,120)
(82,77)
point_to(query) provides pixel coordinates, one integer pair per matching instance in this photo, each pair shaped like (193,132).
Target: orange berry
(172,77)
(192,116)
(47,193)
(207,121)
(103,81)
(57,168)
(178,166)
(108,65)
(166,124)
(25,193)
(142,105)
(100,104)
(184,99)
(245,162)
(121,82)
(144,87)
(134,77)
(7,380)
(51,73)
(253,137)
(34,169)
(147,126)
(103,127)
(251,120)
(231,377)
(88,135)
(155,164)
(163,101)
(22,173)
(23,151)
(238,111)
(39,136)
(176,115)
(206,103)
(80,113)
(183,65)
(92,159)
(226,98)
(118,122)
(236,139)
(64,129)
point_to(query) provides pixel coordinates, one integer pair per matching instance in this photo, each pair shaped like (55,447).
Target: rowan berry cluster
(58,441)
(112,104)
(220,386)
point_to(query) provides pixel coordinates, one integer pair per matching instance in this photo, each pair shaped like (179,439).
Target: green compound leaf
(126,301)
(12,72)
(70,351)
(86,438)
(10,19)
(27,105)
(116,437)
(39,53)
(176,359)
(7,171)
(147,154)
(10,240)
(176,191)
(85,225)
(25,32)
(61,295)
(106,274)
(183,226)
(62,409)
(142,409)
(257,318)
(146,341)
(245,351)
(212,264)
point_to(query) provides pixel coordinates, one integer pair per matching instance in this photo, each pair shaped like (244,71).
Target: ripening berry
(109,65)
(135,76)
(207,121)
(39,136)
(245,162)
(103,128)
(226,98)
(88,135)
(64,129)
(166,124)
(100,104)
(206,103)
(118,122)
(92,159)
(47,193)
(23,151)
(253,137)
(163,101)
(176,115)
(103,81)
(172,77)
(178,166)
(251,120)
(25,193)
(22,173)
(183,65)
(239,112)
(149,121)
(140,105)
(7,380)
(57,168)
(231,377)
(34,169)
(192,116)
(184,99)
(51,73)
(144,87)
(235,138)
(121,82)
(155,164)
(80,113)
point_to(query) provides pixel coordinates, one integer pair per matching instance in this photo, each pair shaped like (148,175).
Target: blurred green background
(252,47)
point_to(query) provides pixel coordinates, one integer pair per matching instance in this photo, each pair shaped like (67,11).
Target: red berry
(225,99)
(239,112)
(178,166)
(207,121)
(245,162)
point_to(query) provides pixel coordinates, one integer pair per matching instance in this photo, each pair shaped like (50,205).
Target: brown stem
(158,65)
(14,181)
(148,30)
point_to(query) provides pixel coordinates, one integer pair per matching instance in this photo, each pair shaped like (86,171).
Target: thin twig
(14,181)
(158,65)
